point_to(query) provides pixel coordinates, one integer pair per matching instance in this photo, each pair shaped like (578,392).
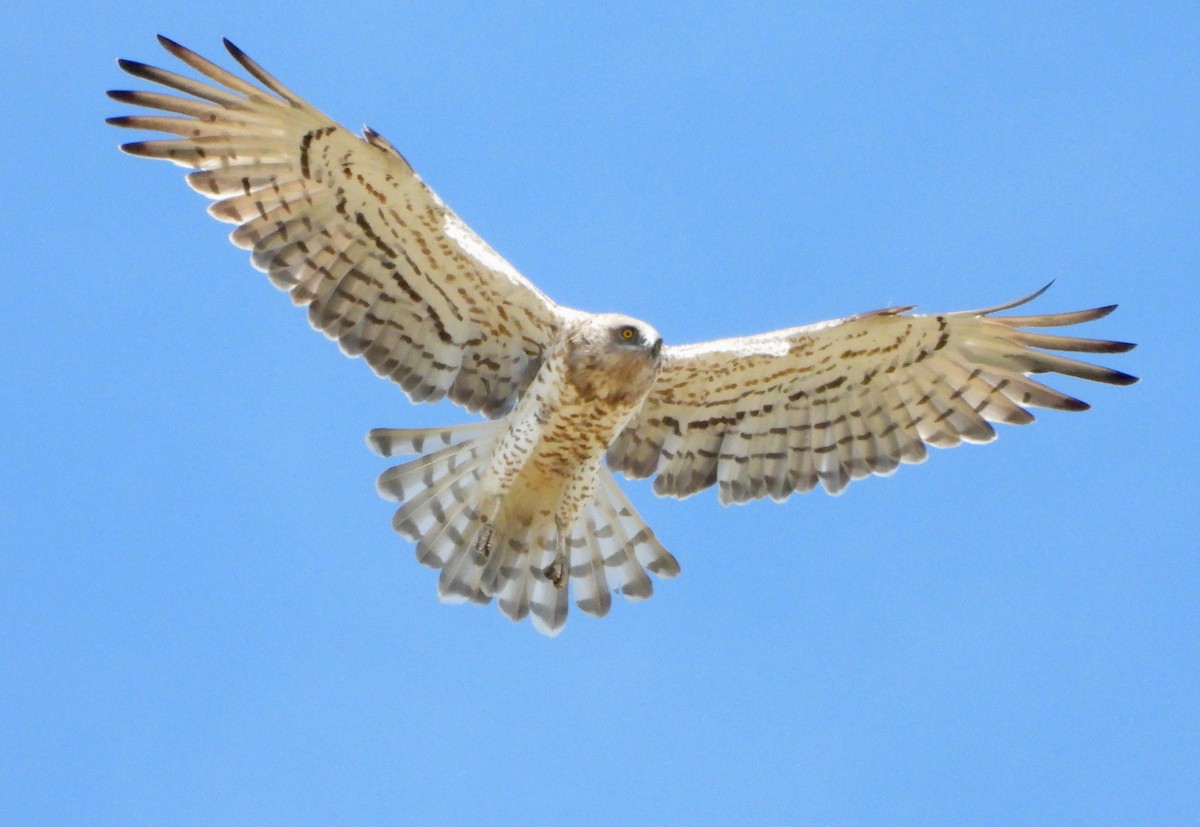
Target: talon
(556,573)
(483,543)
(559,572)
(487,533)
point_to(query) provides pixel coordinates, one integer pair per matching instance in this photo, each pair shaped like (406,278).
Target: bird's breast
(557,437)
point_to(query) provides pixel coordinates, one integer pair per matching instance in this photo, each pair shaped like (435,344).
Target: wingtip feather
(136,148)
(133,67)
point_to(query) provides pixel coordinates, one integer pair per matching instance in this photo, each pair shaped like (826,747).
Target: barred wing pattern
(780,412)
(348,229)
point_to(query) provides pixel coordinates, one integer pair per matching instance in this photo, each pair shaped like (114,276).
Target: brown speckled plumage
(521,508)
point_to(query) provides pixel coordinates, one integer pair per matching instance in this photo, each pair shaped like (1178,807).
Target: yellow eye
(628,333)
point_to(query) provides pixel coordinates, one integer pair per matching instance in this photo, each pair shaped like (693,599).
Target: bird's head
(628,335)
(614,355)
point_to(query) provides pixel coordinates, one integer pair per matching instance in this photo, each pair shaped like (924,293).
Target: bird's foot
(483,542)
(557,573)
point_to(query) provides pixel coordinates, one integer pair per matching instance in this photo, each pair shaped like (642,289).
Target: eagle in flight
(522,506)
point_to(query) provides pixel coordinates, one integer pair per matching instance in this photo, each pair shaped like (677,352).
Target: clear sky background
(206,619)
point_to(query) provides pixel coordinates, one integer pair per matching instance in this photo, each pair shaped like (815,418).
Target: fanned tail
(608,547)
(611,546)
(437,491)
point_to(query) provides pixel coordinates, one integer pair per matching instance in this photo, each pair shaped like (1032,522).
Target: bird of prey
(521,506)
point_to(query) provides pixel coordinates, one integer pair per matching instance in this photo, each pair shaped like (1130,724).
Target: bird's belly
(555,475)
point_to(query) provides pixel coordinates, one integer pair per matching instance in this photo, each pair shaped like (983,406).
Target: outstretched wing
(831,402)
(348,229)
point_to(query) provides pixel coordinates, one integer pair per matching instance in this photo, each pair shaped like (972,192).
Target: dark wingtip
(137,148)
(1039,293)
(1119,378)
(1073,404)
(241,57)
(133,67)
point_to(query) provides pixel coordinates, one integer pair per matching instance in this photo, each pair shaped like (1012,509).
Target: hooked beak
(657,348)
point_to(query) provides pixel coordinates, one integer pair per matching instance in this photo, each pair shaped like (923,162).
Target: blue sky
(206,616)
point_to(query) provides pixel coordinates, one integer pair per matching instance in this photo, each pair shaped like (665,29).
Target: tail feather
(478,571)
(499,568)
(514,595)
(587,569)
(391,442)
(436,491)
(401,482)
(411,480)
(649,551)
(437,547)
(631,579)
(627,544)
(459,580)
(429,508)
(608,547)
(547,602)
